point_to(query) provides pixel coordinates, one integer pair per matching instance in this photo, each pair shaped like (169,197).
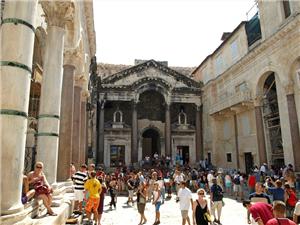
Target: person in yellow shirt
(94,188)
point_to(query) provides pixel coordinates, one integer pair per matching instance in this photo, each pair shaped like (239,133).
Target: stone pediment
(149,72)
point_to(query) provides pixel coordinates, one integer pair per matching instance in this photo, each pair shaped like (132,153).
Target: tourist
(79,178)
(290,200)
(200,208)
(277,192)
(261,212)
(162,188)
(259,195)
(72,170)
(156,202)
(251,183)
(43,190)
(141,202)
(130,187)
(228,184)
(101,201)
(185,199)
(112,189)
(93,186)
(27,193)
(296,215)
(279,214)
(178,177)
(210,177)
(237,188)
(216,200)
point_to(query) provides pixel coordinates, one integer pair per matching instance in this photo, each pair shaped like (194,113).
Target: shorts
(130,193)
(141,207)
(184,214)
(157,206)
(92,204)
(79,195)
(237,188)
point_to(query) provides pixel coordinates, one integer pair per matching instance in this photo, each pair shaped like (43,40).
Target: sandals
(52,213)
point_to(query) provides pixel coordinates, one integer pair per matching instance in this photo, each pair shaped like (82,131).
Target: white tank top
(155,194)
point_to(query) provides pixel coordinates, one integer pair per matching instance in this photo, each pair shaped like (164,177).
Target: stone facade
(251,91)
(47,47)
(143,109)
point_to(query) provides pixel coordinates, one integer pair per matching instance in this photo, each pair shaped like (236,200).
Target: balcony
(230,100)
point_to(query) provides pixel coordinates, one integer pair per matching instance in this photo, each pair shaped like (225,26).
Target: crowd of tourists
(268,194)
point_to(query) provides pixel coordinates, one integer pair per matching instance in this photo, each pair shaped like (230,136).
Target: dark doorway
(248,162)
(184,154)
(151,143)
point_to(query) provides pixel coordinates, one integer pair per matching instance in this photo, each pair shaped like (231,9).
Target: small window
(118,116)
(228,156)
(219,64)
(286,8)
(182,118)
(117,155)
(234,51)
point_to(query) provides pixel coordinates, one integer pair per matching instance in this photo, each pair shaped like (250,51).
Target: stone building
(144,109)
(251,93)
(46,51)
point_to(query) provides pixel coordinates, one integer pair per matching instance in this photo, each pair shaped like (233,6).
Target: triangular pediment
(150,71)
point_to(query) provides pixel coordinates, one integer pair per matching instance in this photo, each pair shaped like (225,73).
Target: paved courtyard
(233,213)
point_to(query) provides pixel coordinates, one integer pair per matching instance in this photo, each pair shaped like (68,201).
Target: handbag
(207,217)
(41,189)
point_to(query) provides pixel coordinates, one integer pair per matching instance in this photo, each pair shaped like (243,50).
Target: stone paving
(233,213)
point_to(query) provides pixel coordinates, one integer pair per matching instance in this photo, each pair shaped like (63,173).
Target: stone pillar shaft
(199,139)
(236,137)
(76,127)
(260,135)
(17,41)
(50,102)
(83,132)
(168,131)
(100,152)
(66,120)
(134,140)
(294,128)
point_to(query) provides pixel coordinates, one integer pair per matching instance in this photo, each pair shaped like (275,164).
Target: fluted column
(66,120)
(57,14)
(76,126)
(134,140)
(168,131)
(17,41)
(294,125)
(199,139)
(83,130)
(260,133)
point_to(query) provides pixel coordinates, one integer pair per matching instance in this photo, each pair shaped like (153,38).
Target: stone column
(66,121)
(100,148)
(294,126)
(56,14)
(199,138)
(76,126)
(134,138)
(260,133)
(168,131)
(83,130)
(17,40)
(236,137)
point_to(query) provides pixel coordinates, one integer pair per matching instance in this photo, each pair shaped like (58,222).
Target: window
(234,51)
(219,65)
(286,8)
(228,157)
(117,155)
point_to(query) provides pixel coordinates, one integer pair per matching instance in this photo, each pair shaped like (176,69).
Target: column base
(13,210)
(14,216)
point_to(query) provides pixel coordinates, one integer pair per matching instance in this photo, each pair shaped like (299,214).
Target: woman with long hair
(43,190)
(200,208)
(141,202)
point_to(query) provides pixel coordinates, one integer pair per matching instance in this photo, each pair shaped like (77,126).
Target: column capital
(80,80)
(57,13)
(289,88)
(73,57)
(258,100)
(84,95)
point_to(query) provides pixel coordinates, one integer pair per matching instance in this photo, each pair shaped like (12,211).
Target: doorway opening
(151,143)
(248,162)
(183,154)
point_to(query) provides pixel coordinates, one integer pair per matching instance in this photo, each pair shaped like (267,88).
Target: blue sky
(182,32)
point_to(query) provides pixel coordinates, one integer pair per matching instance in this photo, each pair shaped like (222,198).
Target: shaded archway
(271,119)
(150,142)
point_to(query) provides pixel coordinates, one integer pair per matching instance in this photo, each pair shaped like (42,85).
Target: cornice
(57,13)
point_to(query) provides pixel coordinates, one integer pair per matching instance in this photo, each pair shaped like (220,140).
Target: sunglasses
(39,167)
(200,193)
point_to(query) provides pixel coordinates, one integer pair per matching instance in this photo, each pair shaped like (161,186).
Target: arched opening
(272,120)
(151,142)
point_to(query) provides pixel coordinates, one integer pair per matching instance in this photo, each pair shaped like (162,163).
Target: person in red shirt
(251,183)
(279,213)
(261,212)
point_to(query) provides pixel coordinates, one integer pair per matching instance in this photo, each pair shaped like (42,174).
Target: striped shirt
(79,178)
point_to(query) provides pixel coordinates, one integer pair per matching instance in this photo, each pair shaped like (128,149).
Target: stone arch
(182,118)
(294,72)
(118,116)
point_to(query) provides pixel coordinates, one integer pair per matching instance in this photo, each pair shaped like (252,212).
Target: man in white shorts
(79,178)
(185,199)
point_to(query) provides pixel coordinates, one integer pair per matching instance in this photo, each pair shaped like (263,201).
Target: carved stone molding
(73,57)
(57,13)
(258,100)
(289,88)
